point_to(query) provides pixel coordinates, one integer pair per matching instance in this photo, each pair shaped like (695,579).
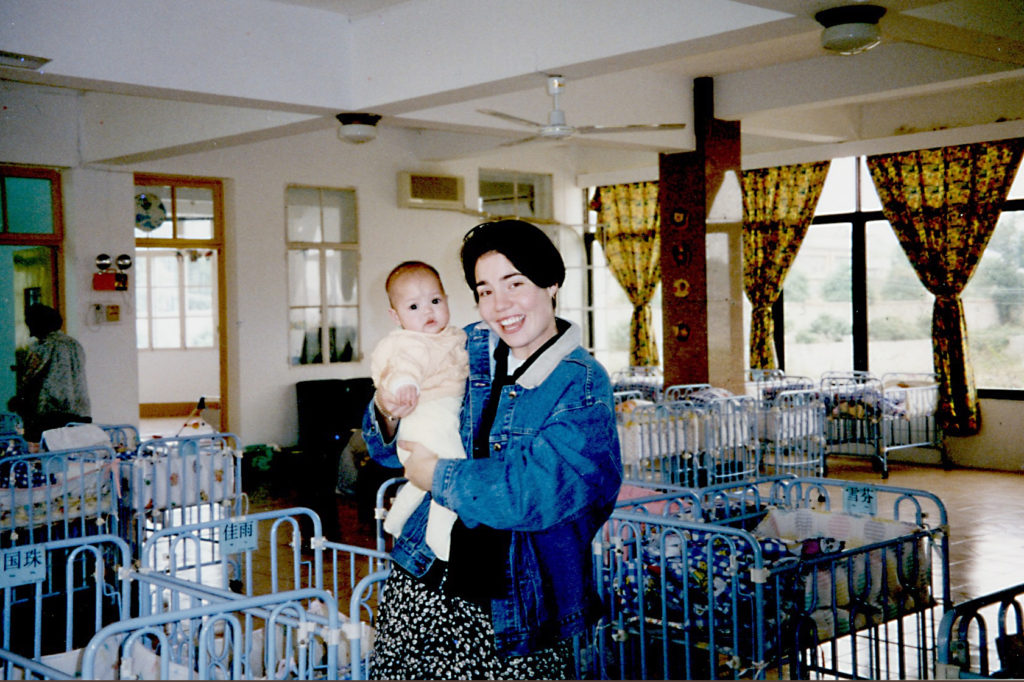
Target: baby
(425,358)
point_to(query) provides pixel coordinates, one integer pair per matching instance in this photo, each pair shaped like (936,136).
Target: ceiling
(239,71)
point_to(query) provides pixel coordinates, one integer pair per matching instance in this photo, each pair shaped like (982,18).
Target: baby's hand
(407,396)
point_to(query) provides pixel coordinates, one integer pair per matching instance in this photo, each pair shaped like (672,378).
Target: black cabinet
(328,411)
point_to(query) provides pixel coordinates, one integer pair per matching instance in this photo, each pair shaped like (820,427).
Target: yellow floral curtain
(778,205)
(628,230)
(943,205)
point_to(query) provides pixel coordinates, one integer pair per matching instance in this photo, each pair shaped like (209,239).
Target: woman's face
(518,310)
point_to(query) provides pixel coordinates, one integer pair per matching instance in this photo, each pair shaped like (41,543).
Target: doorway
(31,235)
(180,305)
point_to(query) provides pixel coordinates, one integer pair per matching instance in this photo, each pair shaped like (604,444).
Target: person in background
(52,389)
(542,475)
(423,364)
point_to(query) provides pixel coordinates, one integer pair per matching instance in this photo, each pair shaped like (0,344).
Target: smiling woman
(541,475)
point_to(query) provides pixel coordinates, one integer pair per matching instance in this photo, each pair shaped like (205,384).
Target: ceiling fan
(558,129)
(857,27)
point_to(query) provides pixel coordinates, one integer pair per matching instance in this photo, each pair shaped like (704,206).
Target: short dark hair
(406,267)
(42,319)
(525,245)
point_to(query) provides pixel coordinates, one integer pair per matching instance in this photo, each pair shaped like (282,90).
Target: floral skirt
(424,634)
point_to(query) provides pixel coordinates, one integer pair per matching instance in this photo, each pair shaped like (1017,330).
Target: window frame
(858,220)
(322,248)
(214,243)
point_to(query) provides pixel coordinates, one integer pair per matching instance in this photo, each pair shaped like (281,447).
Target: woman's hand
(420,464)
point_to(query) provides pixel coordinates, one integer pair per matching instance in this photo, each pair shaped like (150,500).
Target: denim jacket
(552,478)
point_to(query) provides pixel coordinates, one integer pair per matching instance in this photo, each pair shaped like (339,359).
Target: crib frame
(74,575)
(180,480)
(11,424)
(648,380)
(792,433)
(689,443)
(68,492)
(208,557)
(861,419)
(969,649)
(680,636)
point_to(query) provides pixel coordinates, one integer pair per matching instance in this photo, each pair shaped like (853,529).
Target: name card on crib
(22,565)
(238,536)
(860,500)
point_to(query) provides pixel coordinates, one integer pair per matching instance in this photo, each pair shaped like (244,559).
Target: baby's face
(418,302)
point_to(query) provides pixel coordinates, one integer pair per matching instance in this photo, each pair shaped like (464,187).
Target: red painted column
(687,185)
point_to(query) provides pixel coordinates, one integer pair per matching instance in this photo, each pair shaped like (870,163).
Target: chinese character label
(238,536)
(860,500)
(22,565)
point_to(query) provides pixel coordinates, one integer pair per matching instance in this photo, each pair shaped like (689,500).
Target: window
(176,269)
(175,297)
(605,311)
(994,301)
(511,193)
(853,301)
(323,275)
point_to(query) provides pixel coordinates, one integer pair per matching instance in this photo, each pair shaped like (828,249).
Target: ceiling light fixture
(357,128)
(22,61)
(850,29)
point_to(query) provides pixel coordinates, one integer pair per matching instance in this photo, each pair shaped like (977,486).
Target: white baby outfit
(437,364)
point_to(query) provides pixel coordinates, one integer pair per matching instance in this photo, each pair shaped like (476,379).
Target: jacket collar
(545,364)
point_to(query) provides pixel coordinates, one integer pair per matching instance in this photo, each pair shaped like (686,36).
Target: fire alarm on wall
(110,281)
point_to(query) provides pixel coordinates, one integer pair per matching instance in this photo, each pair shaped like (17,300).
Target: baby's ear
(394,316)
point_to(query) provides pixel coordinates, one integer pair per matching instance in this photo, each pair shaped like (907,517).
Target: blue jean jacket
(552,478)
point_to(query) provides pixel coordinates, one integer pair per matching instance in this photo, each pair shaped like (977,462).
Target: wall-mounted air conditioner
(429,190)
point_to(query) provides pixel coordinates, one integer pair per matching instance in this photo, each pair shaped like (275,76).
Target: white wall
(261,395)
(178,376)
(97,220)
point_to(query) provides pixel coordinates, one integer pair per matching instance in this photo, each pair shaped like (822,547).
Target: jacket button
(512,394)
(497,446)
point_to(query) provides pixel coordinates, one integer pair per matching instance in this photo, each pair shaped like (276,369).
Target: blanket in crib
(170,480)
(32,492)
(815,574)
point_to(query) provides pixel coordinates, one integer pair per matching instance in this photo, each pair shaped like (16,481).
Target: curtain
(629,233)
(943,205)
(778,204)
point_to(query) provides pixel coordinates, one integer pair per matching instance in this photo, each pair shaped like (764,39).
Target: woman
(543,475)
(52,389)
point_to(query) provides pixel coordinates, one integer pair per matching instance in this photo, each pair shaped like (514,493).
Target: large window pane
(994,307)
(198,332)
(165,270)
(344,333)
(194,212)
(341,277)
(166,332)
(339,217)
(837,195)
(304,335)
(304,277)
(869,200)
(818,303)
(899,307)
(303,214)
(29,205)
